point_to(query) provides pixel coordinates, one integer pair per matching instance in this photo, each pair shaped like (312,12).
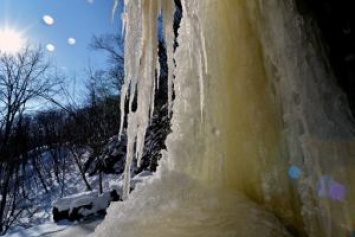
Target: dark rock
(114,196)
(76,213)
(336,21)
(60,215)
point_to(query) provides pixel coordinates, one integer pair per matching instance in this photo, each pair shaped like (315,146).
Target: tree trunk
(34,163)
(81,169)
(4,192)
(101,190)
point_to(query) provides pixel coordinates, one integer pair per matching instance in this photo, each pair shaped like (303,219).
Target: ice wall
(262,140)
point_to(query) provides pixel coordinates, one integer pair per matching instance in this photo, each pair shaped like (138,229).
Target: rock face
(82,205)
(60,215)
(115,196)
(76,214)
(336,21)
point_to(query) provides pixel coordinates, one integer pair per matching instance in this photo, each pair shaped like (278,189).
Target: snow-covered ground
(36,210)
(67,190)
(40,212)
(41,222)
(67,228)
(63,229)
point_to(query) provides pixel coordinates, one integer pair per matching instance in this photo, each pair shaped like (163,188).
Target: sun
(11,42)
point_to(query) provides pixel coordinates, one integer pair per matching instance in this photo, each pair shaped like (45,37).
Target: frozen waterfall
(262,141)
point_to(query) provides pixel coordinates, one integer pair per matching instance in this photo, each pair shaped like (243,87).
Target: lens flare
(50,47)
(294,172)
(337,192)
(48,20)
(71,41)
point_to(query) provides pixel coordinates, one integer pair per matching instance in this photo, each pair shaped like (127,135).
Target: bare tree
(25,77)
(101,116)
(77,154)
(96,114)
(112,45)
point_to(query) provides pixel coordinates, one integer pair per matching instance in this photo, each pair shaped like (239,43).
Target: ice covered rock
(81,205)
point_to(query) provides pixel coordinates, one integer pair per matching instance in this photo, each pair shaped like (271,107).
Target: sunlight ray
(11,41)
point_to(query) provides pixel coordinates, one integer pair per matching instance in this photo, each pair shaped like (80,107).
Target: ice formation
(141,63)
(257,119)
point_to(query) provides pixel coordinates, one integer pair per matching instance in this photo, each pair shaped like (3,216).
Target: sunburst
(11,41)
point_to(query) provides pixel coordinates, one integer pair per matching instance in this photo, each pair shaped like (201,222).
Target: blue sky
(79,19)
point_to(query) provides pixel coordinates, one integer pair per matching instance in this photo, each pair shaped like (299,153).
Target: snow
(79,230)
(67,203)
(139,178)
(102,201)
(53,230)
(37,207)
(41,221)
(38,230)
(70,229)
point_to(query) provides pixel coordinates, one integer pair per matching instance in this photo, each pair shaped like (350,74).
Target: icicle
(198,45)
(152,98)
(140,64)
(271,105)
(141,60)
(114,9)
(133,11)
(133,48)
(129,158)
(168,10)
(124,20)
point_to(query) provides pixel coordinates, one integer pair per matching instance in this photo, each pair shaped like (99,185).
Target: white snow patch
(98,202)
(81,199)
(38,230)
